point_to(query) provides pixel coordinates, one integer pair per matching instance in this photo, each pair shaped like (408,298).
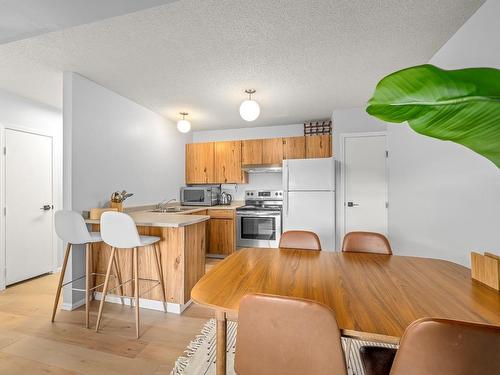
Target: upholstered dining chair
(366,242)
(300,239)
(438,346)
(287,336)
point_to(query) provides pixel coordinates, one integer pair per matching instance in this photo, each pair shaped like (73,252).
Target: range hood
(262,168)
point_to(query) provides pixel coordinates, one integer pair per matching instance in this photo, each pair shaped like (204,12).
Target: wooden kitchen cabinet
(221,232)
(221,162)
(294,148)
(318,146)
(228,163)
(251,152)
(272,151)
(200,163)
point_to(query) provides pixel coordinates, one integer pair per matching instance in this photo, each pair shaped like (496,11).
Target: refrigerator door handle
(287,177)
(287,189)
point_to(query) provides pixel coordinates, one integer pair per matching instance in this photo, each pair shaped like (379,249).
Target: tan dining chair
(300,239)
(438,346)
(366,242)
(287,336)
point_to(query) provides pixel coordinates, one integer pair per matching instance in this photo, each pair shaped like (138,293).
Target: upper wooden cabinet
(251,152)
(200,167)
(294,148)
(262,151)
(228,163)
(319,146)
(272,151)
(221,162)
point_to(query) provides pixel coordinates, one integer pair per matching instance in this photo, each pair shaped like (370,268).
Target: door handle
(352,204)
(46,207)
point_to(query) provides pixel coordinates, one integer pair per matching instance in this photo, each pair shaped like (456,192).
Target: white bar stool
(71,228)
(119,231)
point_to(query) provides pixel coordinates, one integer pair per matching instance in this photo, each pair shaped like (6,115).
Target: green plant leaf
(461,106)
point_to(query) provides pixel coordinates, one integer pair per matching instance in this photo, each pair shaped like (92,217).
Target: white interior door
(365,184)
(28,188)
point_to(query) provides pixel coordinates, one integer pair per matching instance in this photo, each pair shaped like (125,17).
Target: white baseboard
(175,308)
(72,306)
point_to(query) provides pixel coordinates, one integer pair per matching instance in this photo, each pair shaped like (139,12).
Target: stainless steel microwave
(203,195)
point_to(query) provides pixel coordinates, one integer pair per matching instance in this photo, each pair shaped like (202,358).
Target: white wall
(20,113)
(444,199)
(118,144)
(354,120)
(249,133)
(112,143)
(255,181)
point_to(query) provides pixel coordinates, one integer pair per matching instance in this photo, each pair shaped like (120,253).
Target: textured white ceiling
(305,58)
(20,19)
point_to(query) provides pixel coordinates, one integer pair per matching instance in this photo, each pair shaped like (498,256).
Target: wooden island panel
(182,253)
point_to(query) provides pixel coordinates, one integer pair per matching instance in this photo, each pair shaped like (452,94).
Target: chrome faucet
(163,204)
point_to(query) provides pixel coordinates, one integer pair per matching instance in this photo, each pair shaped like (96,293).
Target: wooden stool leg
(105,288)
(132,284)
(160,274)
(92,276)
(87,283)
(136,290)
(118,276)
(61,279)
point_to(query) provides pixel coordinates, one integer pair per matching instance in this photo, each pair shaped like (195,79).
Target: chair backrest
(278,335)
(448,347)
(300,239)
(366,242)
(119,230)
(70,227)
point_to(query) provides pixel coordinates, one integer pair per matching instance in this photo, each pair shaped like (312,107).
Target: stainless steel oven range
(258,222)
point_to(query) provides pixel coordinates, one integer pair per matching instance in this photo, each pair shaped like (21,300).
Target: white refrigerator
(309,198)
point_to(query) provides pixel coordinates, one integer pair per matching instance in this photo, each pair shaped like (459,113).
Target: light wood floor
(31,344)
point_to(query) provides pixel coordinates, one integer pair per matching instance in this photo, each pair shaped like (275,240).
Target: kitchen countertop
(232,206)
(160,219)
(143,216)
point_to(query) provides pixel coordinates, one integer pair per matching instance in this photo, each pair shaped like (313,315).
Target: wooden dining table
(374,297)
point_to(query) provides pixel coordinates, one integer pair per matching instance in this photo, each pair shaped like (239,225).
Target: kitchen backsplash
(256,181)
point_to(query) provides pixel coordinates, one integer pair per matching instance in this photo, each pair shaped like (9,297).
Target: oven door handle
(250,214)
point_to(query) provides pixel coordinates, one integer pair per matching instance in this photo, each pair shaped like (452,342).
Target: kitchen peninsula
(182,252)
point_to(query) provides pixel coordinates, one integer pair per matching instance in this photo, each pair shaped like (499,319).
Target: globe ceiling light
(249,109)
(183,125)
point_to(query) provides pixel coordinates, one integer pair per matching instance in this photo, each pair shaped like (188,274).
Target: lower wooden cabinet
(221,232)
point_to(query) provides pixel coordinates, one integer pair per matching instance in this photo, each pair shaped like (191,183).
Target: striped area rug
(199,356)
